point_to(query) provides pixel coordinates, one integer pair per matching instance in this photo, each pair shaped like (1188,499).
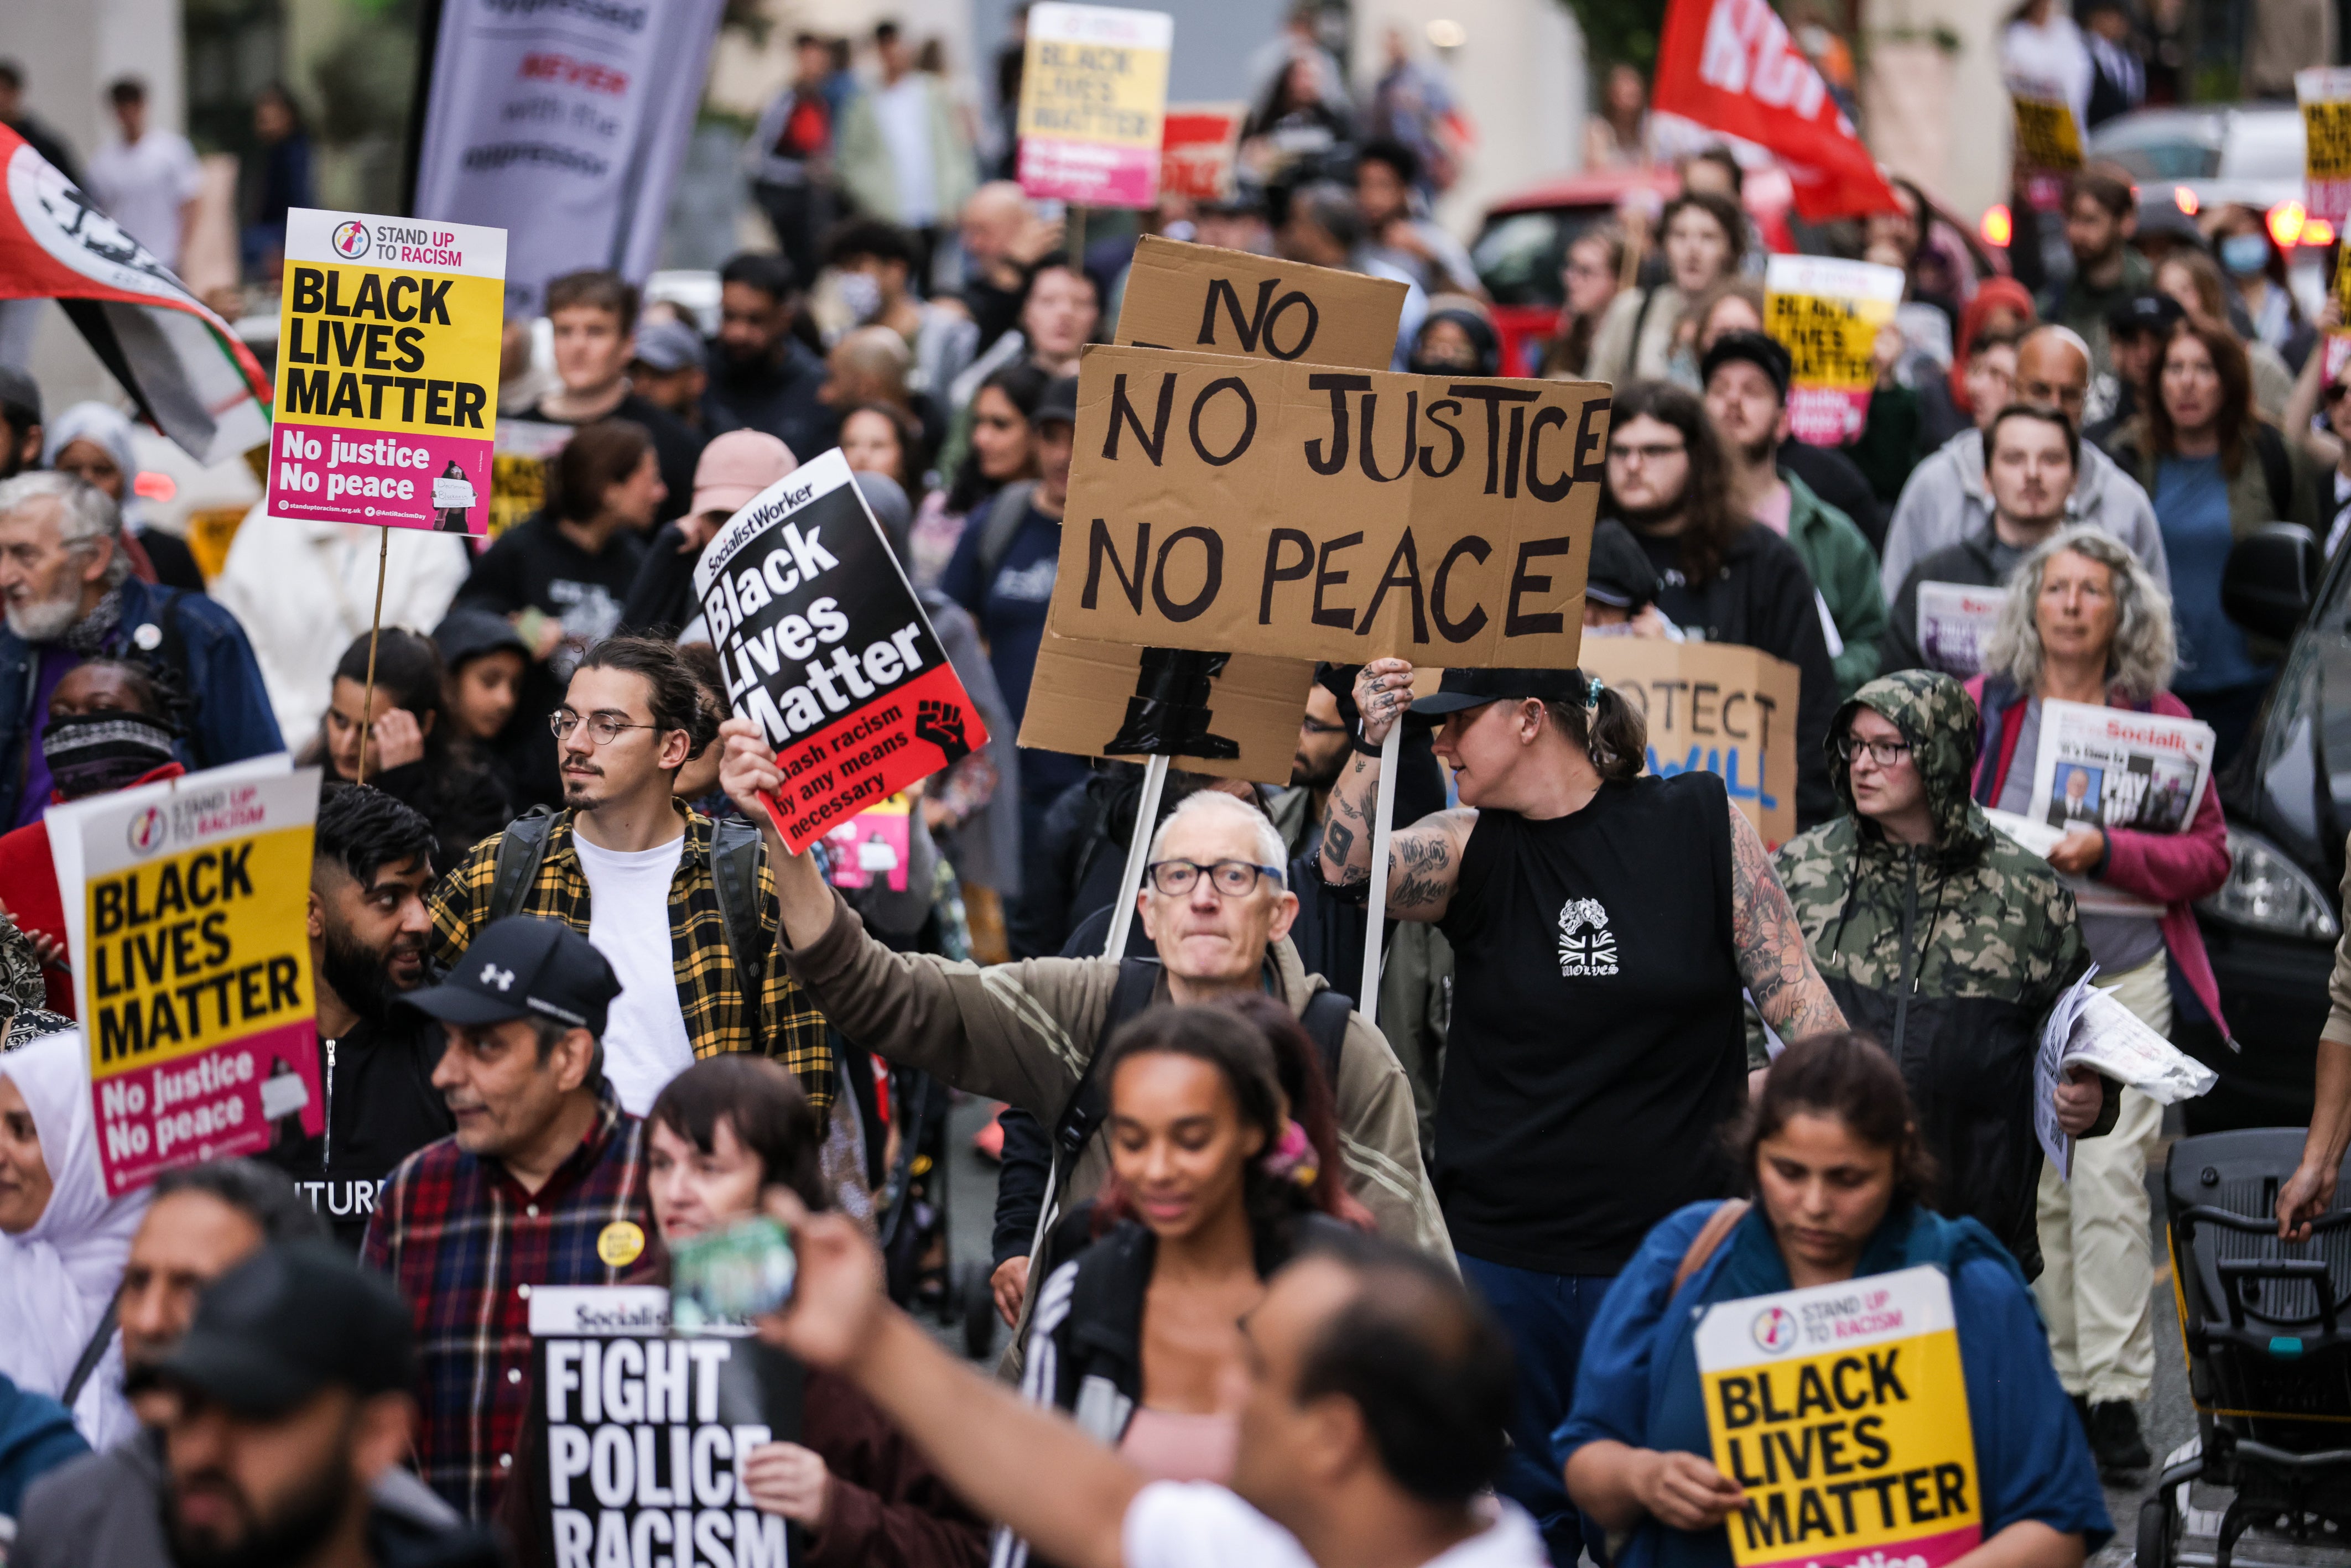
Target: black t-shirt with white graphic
(1597,1044)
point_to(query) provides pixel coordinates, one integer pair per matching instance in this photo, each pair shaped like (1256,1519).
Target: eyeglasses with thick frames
(1885,753)
(602,728)
(1657,453)
(1231,879)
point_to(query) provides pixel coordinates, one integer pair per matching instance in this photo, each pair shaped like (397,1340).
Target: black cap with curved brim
(1475,688)
(522,967)
(1621,574)
(288,1322)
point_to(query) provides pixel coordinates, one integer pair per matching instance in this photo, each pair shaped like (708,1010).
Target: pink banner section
(323,473)
(1827,416)
(1918,1552)
(2328,199)
(217,1102)
(1090,173)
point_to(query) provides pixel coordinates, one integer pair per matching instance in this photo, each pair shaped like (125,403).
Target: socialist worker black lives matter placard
(824,646)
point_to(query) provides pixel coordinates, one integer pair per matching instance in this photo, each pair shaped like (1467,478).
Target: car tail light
(2184,199)
(154,486)
(2318,231)
(2285,224)
(1997,227)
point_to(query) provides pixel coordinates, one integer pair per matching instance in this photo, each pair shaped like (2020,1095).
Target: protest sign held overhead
(645,1434)
(1093,90)
(2325,93)
(187,917)
(823,646)
(1239,507)
(1210,301)
(1955,626)
(1843,1411)
(1827,314)
(2048,135)
(387,372)
(1713,707)
(1199,150)
(1102,699)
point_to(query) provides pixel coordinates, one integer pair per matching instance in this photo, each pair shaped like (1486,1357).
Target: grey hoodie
(1946,501)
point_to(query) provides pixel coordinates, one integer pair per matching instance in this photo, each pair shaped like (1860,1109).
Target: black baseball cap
(20,394)
(465,634)
(523,967)
(289,1320)
(1060,403)
(1475,688)
(2156,313)
(1621,573)
(1765,354)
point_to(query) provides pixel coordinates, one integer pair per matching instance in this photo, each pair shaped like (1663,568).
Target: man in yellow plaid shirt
(633,870)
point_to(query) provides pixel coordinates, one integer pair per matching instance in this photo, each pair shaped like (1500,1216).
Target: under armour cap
(289,1320)
(523,967)
(1475,688)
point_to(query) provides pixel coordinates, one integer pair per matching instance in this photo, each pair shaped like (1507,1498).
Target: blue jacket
(37,1435)
(1639,1384)
(232,718)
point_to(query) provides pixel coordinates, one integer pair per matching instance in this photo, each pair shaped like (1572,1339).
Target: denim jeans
(1546,1316)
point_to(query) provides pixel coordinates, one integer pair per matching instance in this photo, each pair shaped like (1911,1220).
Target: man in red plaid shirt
(542,1184)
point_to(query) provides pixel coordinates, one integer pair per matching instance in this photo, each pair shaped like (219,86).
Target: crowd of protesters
(1284,1285)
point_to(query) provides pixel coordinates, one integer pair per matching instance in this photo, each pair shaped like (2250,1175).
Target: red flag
(1730,64)
(190,377)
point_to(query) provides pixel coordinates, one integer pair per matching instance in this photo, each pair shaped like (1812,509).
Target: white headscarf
(56,1279)
(102,426)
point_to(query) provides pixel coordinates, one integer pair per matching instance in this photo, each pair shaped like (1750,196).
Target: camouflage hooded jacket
(1950,954)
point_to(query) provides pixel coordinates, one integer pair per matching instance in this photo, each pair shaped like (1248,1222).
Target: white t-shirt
(904,114)
(143,184)
(645,1042)
(1198,1524)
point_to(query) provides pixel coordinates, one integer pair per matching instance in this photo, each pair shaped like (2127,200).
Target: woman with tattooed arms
(1603,926)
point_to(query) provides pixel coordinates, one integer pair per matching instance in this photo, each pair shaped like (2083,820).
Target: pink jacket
(2172,869)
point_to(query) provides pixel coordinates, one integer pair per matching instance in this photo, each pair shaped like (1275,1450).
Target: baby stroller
(2269,1358)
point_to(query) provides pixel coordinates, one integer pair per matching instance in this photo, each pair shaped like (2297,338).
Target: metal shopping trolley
(2269,1354)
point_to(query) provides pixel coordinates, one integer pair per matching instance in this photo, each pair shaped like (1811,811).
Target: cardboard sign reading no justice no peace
(1301,510)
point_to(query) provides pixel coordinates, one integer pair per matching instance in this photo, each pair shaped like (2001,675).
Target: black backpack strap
(1138,978)
(91,1354)
(1325,1020)
(736,850)
(521,848)
(1003,524)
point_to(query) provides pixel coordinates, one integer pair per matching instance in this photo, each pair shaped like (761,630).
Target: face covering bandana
(861,294)
(2244,255)
(95,753)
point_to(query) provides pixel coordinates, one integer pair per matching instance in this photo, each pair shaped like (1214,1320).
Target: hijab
(57,1278)
(1992,294)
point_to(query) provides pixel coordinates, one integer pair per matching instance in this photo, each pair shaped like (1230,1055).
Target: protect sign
(1842,1411)
(2325,93)
(1236,506)
(191,964)
(387,372)
(1713,707)
(1093,92)
(824,646)
(1827,314)
(646,1435)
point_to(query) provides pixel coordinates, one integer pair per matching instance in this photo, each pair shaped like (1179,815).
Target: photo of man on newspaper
(2078,796)
(2112,767)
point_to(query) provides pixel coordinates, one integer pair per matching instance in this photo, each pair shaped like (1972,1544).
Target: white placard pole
(1367,995)
(1138,849)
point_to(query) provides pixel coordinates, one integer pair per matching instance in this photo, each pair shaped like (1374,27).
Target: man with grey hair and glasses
(68,592)
(1216,905)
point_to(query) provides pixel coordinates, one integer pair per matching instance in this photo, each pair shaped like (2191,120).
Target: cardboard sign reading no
(1236,506)
(1716,707)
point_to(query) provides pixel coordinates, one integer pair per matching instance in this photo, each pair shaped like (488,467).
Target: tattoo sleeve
(1347,836)
(1772,957)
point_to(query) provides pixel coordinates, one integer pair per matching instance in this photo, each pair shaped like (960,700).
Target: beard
(1645,519)
(359,974)
(45,620)
(292,1537)
(1754,451)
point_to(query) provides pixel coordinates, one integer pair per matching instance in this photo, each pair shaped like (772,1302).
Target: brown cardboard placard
(1715,706)
(1239,505)
(1205,301)
(1078,700)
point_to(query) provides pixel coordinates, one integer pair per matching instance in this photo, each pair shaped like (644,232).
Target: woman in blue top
(1833,1151)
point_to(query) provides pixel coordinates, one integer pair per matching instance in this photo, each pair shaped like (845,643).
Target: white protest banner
(187,909)
(1843,1411)
(1955,622)
(823,644)
(1827,314)
(387,372)
(563,121)
(1093,90)
(643,1434)
(2112,767)
(2324,94)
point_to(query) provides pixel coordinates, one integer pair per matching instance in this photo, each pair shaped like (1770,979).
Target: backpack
(734,855)
(1001,526)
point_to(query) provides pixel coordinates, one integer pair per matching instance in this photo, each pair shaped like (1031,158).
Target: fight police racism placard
(824,646)
(187,911)
(1842,1412)
(387,372)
